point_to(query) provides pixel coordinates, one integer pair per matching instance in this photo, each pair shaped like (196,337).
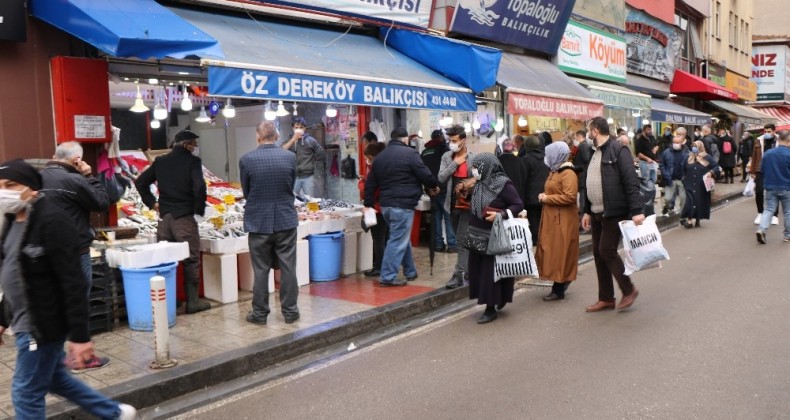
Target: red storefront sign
(524,104)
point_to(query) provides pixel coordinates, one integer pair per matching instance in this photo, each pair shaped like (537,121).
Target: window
(730,30)
(747,40)
(735,32)
(717,20)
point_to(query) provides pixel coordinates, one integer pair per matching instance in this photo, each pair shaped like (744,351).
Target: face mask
(695,149)
(11,201)
(676,146)
(196,151)
(576,143)
(455,147)
(476,173)
(666,133)
(298,130)
(768,136)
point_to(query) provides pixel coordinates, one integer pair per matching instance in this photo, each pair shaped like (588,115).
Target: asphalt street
(708,338)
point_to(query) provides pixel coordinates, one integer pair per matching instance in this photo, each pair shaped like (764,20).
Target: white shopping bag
(749,189)
(521,261)
(630,267)
(642,244)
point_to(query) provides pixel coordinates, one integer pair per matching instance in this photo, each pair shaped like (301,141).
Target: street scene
(452,209)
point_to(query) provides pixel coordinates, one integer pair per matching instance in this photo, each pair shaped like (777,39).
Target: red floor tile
(364,291)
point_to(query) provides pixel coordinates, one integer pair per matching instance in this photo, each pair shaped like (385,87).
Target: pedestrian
(378,231)
(492,193)
(557,252)
(545,139)
(182,195)
(514,167)
(728,156)
(775,170)
(518,140)
(763,144)
(745,149)
(67,180)
(45,300)
(308,154)
(710,141)
(432,158)
(612,196)
(454,172)
(697,134)
(666,140)
(536,175)
(698,199)
(581,160)
(399,174)
(368,138)
(267,177)
(673,166)
(646,149)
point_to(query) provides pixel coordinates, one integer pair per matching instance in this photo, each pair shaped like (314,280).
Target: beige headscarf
(700,155)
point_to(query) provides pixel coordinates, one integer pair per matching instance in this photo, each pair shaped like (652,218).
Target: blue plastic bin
(326,256)
(137,289)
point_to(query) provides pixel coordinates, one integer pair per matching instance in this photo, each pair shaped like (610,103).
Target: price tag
(220,207)
(230,199)
(313,206)
(217,222)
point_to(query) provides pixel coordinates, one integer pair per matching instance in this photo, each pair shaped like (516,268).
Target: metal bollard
(161,328)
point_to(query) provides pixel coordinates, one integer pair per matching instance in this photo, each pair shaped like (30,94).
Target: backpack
(726,148)
(348,169)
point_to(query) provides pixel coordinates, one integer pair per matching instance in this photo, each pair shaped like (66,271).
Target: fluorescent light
(229,111)
(139,105)
(202,117)
(331,111)
(281,111)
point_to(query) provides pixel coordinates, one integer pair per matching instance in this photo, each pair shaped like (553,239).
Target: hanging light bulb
(160,111)
(155,123)
(269,114)
(186,103)
(522,122)
(331,111)
(229,111)
(202,116)
(419,133)
(139,105)
(281,111)
(645,121)
(467,126)
(610,120)
(636,114)
(295,112)
(631,134)
(445,120)
(500,125)
(476,124)
(624,128)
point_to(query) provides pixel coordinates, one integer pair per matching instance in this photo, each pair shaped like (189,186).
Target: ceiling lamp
(522,122)
(202,117)
(476,124)
(160,111)
(445,120)
(467,126)
(645,121)
(269,114)
(610,120)
(636,114)
(139,105)
(624,128)
(419,133)
(331,111)
(229,111)
(186,103)
(295,112)
(155,123)
(281,111)
(630,134)
(500,125)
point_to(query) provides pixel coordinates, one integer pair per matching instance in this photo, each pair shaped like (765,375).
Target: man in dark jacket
(513,166)
(308,154)
(399,174)
(646,149)
(580,162)
(710,141)
(69,183)
(536,173)
(432,158)
(182,195)
(45,299)
(673,167)
(727,152)
(745,148)
(612,196)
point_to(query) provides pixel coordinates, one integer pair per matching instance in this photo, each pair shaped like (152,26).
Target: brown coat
(558,244)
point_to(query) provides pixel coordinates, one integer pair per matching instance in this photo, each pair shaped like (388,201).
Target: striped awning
(781,113)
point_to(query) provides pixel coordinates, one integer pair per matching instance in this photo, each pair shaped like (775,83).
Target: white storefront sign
(411,12)
(589,52)
(770,72)
(89,127)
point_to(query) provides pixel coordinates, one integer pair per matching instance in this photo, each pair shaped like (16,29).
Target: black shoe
(291,319)
(552,297)
(258,321)
(373,272)
(411,278)
(743,180)
(452,250)
(686,224)
(697,224)
(200,306)
(392,283)
(488,316)
(502,306)
(440,248)
(454,283)
(761,238)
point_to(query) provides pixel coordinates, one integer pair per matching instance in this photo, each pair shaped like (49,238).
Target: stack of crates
(101,317)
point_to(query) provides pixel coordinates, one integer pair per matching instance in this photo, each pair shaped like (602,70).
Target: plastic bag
(642,244)
(520,262)
(499,241)
(749,189)
(630,267)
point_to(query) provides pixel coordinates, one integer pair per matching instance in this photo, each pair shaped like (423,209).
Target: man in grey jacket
(308,152)
(457,175)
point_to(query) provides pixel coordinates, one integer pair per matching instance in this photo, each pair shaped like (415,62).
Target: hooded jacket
(536,173)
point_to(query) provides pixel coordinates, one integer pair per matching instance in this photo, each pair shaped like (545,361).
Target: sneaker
(786,240)
(774,220)
(94,363)
(127,412)
(452,250)
(395,283)
(761,237)
(757,219)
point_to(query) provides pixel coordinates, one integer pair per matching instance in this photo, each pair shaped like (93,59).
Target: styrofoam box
(334,225)
(350,241)
(225,246)
(221,277)
(302,262)
(316,227)
(247,275)
(424,204)
(364,251)
(302,230)
(353,221)
(148,255)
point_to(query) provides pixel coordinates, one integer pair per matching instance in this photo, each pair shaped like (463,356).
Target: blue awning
(122,28)
(670,112)
(473,66)
(267,59)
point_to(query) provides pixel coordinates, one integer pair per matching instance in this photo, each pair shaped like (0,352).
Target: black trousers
(606,237)
(379,234)
(744,165)
(534,212)
(729,174)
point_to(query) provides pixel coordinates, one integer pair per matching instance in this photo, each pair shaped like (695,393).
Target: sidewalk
(218,345)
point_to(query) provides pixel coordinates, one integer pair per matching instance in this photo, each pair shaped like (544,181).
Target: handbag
(476,239)
(499,240)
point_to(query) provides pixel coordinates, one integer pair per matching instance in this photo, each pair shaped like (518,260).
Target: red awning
(781,113)
(687,83)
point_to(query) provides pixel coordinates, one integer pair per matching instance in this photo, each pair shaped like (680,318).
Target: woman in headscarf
(698,166)
(535,174)
(493,193)
(558,247)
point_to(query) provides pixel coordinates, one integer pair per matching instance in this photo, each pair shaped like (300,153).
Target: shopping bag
(630,266)
(642,244)
(709,182)
(749,189)
(499,241)
(520,262)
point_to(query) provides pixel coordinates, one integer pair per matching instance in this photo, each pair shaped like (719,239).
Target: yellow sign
(745,88)
(313,206)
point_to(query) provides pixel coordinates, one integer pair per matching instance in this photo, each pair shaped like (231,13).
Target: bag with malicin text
(520,261)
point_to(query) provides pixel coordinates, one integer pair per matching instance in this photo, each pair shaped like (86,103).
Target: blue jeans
(441,217)
(398,249)
(648,170)
(305,185)
(42,371)
(772,200)
(87,270)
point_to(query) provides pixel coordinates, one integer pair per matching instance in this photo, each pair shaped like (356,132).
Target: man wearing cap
(308,153)
(432,158)
(182,195)
(45,300)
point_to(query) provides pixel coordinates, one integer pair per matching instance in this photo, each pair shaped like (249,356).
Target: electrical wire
(387,36)
(329,44)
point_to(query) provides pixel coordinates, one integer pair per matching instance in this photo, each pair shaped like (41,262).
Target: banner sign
(676,118)
(745,88)
(259,84)
(653,46)
(410,12)
(769,71)
(590,52)
(533,24)
(717,74)
(621,100)
(522,104)
(610,13)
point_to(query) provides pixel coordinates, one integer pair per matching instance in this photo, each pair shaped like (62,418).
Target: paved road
(708,338)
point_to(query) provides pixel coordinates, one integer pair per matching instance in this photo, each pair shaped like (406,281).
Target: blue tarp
(473,66)
(123,28)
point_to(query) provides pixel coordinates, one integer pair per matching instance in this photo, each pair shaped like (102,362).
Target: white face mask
(677,146)
(11,201)
(298,130)
(576,143)
(476,173)
(196,151)
(369,162)
(455,147)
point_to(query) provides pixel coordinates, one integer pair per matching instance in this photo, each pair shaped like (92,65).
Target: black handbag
(476,239)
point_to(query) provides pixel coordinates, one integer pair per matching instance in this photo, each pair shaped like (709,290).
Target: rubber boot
(194,304)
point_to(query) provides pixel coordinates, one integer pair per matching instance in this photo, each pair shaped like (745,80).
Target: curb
(166,385)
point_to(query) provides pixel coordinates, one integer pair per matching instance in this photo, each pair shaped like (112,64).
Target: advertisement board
(533,105)
(661,9)
(590,52)
(717,74)
(608,12)
(410,12)
(653,46)
(745,88)
(770,71)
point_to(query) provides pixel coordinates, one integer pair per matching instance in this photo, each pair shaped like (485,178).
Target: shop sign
(608,12)
(769,71)
(523,104)
(717,74)
(533,24)
(621,100)
(89,127)
(682,119)
(410,12)
(259,84)
(745,88)
(12,20)
(653,46)
(587,51)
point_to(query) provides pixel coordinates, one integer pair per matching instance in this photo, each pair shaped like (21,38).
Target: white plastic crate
(221,277)
(147,255)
